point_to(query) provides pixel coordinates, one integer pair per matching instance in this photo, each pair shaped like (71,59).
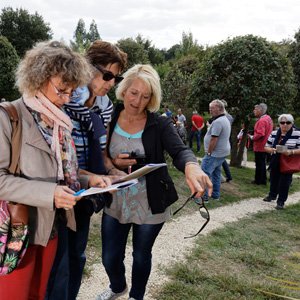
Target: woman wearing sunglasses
(287,135)
(90,110)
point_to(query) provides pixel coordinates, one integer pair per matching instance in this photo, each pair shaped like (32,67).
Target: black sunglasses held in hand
(108,76)
(203,213)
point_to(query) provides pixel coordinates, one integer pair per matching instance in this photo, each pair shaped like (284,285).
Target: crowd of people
(73,138)
(263,137)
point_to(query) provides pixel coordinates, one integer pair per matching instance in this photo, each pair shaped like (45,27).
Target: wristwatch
(209,154)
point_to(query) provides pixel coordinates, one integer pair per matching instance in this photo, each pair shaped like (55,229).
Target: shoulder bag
(13,216)
(289,164)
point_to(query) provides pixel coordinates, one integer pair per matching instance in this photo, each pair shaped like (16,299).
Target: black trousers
(280,184)
(260,171)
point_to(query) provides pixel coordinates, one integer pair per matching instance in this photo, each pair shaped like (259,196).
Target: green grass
(230,263)
(238,189)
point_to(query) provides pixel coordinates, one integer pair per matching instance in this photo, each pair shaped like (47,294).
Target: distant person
(217,146)
(181,117)
(197,126)
(3,100)
(262,129)
(181,131)
(167,111)
(285,135)
(225,164)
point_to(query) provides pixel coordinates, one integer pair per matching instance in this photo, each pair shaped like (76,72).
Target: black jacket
(159,135)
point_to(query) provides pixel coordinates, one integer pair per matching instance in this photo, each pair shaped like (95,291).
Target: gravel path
(171,246)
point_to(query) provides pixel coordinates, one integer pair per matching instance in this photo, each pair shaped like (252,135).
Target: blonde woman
(145,207)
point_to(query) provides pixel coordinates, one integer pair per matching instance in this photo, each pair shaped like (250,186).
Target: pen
(79,192)
(129,170)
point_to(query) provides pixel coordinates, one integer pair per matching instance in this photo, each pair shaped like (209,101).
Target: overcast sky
(163,21)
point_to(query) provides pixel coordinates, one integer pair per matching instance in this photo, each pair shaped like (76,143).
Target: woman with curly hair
(46,77)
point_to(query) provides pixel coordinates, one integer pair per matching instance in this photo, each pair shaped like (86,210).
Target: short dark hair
(104,53)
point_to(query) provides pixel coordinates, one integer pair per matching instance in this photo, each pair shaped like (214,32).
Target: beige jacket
(38,181)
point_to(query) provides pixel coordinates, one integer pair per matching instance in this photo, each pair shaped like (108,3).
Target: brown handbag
(289,164)
(13,216)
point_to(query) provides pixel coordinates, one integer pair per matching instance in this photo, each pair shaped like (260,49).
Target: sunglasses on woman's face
(287,123)
(108,76)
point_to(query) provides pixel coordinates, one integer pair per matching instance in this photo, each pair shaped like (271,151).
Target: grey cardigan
(37,183)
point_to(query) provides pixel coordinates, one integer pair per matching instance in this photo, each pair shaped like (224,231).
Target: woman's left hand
(197,180)
(287,153)
(99,181)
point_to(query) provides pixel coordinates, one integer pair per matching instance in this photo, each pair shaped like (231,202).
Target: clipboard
(113,187)
(140,172)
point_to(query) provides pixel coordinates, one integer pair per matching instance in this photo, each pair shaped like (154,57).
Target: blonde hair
(151,79)
(50,59)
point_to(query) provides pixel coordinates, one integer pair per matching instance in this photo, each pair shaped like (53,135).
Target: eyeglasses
(108,76)
(62,96)
(203,213)
(287,123)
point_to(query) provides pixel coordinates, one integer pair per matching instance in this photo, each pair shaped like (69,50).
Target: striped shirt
(292,143)
(81,119)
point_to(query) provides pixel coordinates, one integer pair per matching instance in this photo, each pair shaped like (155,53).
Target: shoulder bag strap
(14,115)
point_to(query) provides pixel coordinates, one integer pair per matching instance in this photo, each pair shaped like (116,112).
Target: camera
(141,159)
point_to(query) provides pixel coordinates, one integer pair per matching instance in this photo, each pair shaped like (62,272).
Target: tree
(23,30)
(244,71)
(80,43)
(155,55)
(8,62)
(172,52)
(93,33)
(294,55)
(178,81)
(136,53)
(82,38)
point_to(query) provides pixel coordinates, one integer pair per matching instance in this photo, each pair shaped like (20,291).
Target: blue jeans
(198,135)
(67,269)
(211,166)
(226,170)
(114,239)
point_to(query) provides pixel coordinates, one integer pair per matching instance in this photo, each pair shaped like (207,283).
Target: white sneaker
(108,294)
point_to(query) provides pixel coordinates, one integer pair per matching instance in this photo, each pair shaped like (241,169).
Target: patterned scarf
(56,128)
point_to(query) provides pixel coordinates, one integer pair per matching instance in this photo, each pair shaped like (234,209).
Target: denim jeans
(211,166)
(226,170)
(198,135)
(67,269)
(114,239)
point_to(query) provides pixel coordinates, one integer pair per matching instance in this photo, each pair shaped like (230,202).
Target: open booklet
(113,187)
(141,172)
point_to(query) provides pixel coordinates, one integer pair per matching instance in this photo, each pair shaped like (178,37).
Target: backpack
(13,216)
